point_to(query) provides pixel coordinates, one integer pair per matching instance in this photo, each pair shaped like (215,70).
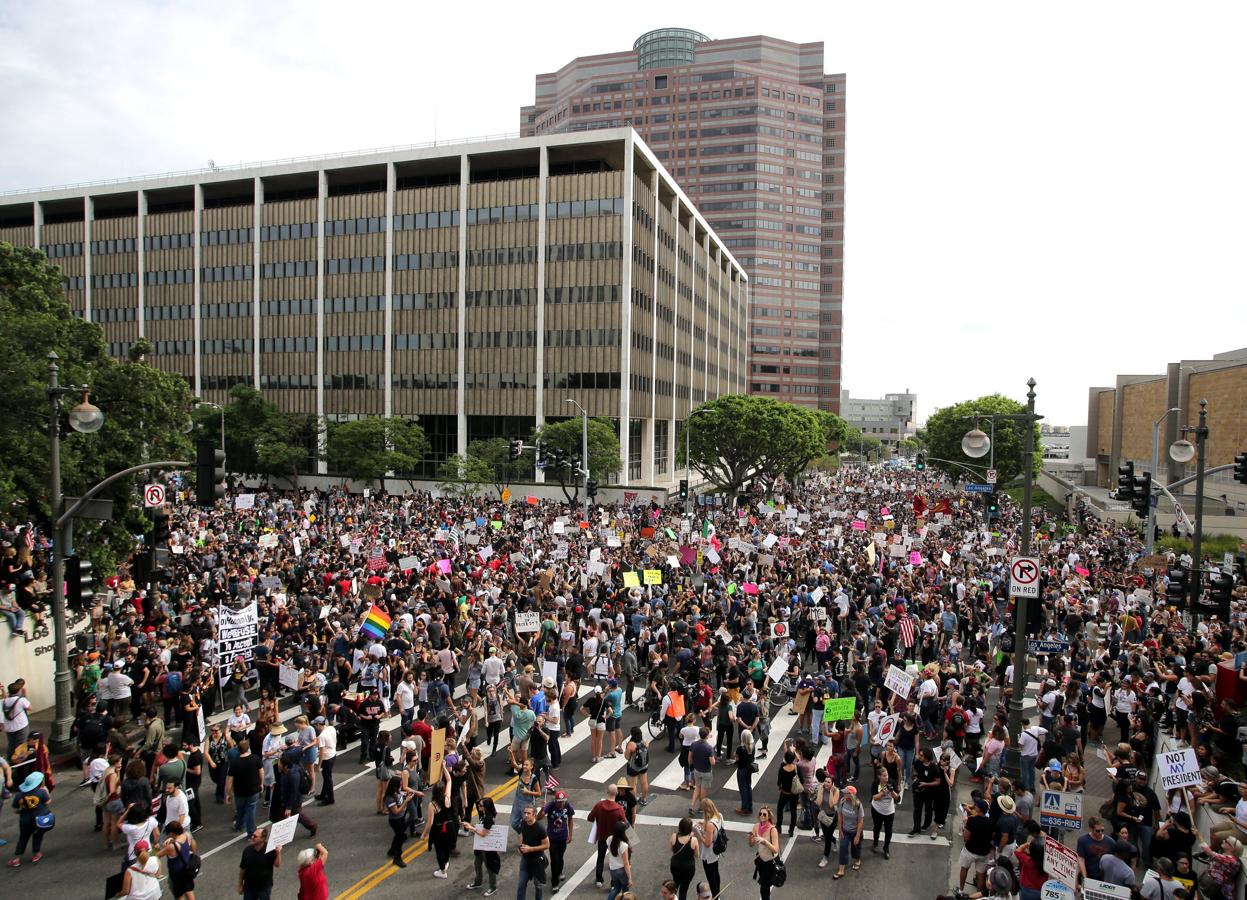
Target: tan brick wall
(1226,393)
(1104,428)
(1142,404)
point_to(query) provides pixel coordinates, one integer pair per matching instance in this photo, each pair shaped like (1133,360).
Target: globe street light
(86,418)
(976,444)
(1182,451)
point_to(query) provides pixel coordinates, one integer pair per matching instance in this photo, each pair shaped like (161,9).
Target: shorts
(599,725)
(612,724)
(702,779)
(114,807)
(972,861)
(310,755)
(518,744)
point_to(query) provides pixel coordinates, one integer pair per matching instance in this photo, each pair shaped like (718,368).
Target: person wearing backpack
(636,752)
(955,722)
(712,838)
(184,862)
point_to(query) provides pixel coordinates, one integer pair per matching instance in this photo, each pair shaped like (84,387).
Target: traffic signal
(1176,592)
(1141,496)
(1220,590)
(1240,567)
(1034,617)
(209,473)
(1125,483)
(515,449)
(592,488)
(993,506)
(160,527)
(683,488)
(921,462)
(1240,468)
(79,582)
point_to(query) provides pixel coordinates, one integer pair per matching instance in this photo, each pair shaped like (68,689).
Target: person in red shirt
(604,815)
(955,722)
(1031,875)
(312,882)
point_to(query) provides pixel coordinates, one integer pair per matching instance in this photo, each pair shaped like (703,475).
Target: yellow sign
(506,495)
(437,750)
(631,580)
(653,576)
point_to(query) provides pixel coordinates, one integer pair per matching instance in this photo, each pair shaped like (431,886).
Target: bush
(1212,545)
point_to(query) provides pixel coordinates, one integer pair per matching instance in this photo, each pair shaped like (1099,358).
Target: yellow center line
(375,877)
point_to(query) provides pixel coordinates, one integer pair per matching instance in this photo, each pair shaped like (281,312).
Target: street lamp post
(584,450)
(1181,452)
(688,428)
(86,419)
(977,445)
(1151,510)
(220,409)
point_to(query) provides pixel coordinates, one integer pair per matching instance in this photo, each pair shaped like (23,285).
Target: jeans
(17,620)
(786,801)
(244,813)
(619,883)
(27,831)
(326,780)
(816,729)
(907,763)
(480,870)
(601,863)
(711,870)
(744,780)
(1027,764)
(849,845)
(522,890)
(557,850)
(264,893)
(1143,836)
(878,820)
(399,827)
(368,740)
(764,870)
(556,752)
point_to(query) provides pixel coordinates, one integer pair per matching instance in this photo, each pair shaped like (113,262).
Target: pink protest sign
(749,587)
(688,555)
(443,566)
(915,558)
(884,511)
(859,525)
(1081,571)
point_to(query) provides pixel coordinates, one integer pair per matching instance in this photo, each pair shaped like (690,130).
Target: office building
(476,287)
(889,420)
(754,130)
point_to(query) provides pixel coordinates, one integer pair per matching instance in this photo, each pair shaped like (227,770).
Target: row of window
(304,307)
(60,251)
(583,337)
(434,340)
(502,256)
(371,303)
(363,225)
(306,344)
(115,280)
(501,297)
(593,250)
(223,382)
(295,269)
(125,314)
(447,259)
(446,218)
(213,274)
(220,237)
(219,346)
(481,340)
(354,382)
(106,246)
(529,212)
(288,232)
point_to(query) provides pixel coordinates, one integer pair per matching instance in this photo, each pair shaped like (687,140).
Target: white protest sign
(1178,768)
(777,669)
(770,541)
(237,634)
(267,540)
(494,840)
(288,676)
(527,622)
(550,669)
(1103,890)
(281,833)
(898,681)
(244,501)
(408,562)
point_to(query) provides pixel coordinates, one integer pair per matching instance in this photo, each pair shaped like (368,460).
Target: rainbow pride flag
(376,624)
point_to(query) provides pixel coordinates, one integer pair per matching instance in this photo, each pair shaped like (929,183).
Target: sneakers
(822,863)
(598,885)
(398,861)
(490,892)
(473,886)
(439,873)
(15,862)
(36,857)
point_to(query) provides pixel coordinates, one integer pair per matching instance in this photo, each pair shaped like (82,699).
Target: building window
(634,448)
(660,82)
(660,446)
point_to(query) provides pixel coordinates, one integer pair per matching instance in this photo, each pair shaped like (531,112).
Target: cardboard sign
(437,754)
(777,669)
(281,833)
(550,669)
(494,840)
(899,682)
(288,677)
(1061,863)
(887,728)
(839,709)
(1178,768)
(653,576)
(527,622)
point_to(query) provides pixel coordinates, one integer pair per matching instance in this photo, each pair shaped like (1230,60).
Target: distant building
(753,129)
(889,420)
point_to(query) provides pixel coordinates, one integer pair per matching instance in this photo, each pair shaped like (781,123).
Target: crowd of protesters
(862,571)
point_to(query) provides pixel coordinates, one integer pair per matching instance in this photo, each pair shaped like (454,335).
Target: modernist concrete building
(754,130)
(1123,419)
(890,420)
(476,286)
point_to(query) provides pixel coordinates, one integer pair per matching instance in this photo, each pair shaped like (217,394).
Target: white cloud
(1051,190)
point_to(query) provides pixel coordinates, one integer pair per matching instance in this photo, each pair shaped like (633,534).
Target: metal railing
(236,167)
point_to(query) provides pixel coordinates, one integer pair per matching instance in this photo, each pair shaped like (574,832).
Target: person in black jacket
(927,778)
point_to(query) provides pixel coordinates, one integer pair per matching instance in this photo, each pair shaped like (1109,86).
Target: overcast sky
(1054,190)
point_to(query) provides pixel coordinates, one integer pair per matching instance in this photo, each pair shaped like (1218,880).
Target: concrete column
(647,450)
(705,362)
(390,181)
(465,173)
(653,293)
(38,225)
(257,218)
(197,255)
(718,324)
(142,251)
(88,219)
(543,193)
(625,317)
(675,336)
(322,192)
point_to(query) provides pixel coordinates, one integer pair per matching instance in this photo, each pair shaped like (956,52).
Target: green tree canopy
(946,428)
(737,440)
(370,447)
(145,409)
(464,476)
(566,436)
(492,458)
(260,439)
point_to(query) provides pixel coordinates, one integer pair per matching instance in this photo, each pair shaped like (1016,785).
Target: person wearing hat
(34,806)
(1006,826)
(560,818)
(270,751)
(141,880)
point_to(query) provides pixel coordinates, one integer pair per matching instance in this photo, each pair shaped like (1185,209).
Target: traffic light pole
(1201,439)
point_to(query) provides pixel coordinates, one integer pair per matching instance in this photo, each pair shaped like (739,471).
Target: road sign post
(153,495)
(991,476)
(1024,577)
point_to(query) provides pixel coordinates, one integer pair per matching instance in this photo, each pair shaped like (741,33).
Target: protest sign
(527,622)
(288,677)
(898,681)
(839,709)
(237,634)
(1178,768)
(281,833)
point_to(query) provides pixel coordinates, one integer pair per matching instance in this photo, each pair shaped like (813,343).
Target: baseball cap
(560,795)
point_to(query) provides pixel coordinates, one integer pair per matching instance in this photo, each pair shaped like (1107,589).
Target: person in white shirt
(16,721)
(177,809)
(327,747)
(1029,743)
(493,668)
(405,698)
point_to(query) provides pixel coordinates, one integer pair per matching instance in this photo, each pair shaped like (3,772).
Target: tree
(738,440)
(145,409)
(946,427)
(370,447)
(566,436)
(493,457)
(463,476)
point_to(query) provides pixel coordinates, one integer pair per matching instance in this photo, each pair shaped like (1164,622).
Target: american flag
(552,782)
(907,631)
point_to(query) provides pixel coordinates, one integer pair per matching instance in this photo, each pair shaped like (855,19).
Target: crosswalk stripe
(780,726)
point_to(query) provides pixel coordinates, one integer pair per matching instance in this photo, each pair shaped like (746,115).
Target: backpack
(640,758)
(719,847)
(959,720)
(10,708)
(305,781)
(187,861)
(173,683)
